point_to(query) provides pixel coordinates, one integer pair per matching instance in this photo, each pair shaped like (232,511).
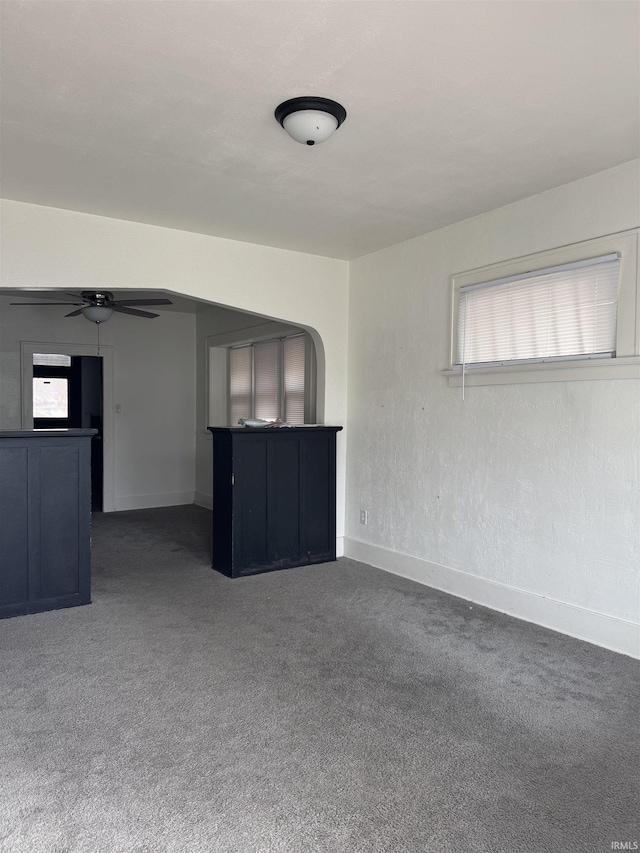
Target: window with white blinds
(558,313)
(294,371)
(267,380)
(240,383)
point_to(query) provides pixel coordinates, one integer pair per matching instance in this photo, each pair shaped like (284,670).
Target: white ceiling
(162,112)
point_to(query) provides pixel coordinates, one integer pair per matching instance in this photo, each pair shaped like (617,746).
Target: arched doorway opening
(146,363)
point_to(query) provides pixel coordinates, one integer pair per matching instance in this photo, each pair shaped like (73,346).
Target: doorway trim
(27,350)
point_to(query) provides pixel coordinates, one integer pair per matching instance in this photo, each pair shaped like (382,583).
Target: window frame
(624,365)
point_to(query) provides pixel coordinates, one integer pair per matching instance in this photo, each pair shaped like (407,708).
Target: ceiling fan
(97,306)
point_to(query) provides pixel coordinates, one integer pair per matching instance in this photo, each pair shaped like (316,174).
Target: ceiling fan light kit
(310,120)
(97,313)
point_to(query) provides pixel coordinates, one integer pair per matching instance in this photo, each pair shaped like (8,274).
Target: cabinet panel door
(250,496)
(284,499)
(59,521)
(317,494)
(14,513)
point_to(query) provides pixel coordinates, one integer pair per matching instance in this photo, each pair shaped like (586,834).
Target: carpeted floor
(328,709)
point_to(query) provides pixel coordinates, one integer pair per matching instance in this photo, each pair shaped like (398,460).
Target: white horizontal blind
(564,312)
(51,359)
(240,383)
(294,354)
(267,379)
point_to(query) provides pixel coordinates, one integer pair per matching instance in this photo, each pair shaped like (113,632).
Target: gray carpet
(330,708)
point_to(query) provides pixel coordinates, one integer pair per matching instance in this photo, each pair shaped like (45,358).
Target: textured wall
(533,486)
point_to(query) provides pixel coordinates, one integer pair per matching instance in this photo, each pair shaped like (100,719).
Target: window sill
(558,371)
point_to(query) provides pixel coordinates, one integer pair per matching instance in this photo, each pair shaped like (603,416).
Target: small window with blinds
(267,380)
(555,314)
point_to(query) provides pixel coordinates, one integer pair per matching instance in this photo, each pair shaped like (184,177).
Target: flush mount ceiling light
(310,120)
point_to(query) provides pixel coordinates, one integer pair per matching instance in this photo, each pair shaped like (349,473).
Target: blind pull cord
(464,340)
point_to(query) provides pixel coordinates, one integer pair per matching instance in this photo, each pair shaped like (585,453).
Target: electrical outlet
(364,516)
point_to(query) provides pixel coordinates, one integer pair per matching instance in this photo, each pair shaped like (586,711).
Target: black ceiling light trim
(294,105)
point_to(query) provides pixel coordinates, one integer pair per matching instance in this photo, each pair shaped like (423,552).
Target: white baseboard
(203,499)
(124,502)
(612,633)
(339,546)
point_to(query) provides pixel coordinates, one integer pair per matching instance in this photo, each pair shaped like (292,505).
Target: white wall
(45,247)
(153,381)
(156,430)
(523,497)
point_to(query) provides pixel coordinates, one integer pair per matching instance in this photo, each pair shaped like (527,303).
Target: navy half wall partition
(45,520)
(274,497)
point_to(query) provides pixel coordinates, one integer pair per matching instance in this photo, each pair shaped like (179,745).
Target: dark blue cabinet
(274,498)
(45,512)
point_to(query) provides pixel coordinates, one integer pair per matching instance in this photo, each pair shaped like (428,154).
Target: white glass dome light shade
(310,120)
(97,313)
(310,126)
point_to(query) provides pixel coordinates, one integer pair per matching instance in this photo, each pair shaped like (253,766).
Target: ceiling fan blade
(37,294)
(141,302)
(45,303)
(74,313)
(132,311)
